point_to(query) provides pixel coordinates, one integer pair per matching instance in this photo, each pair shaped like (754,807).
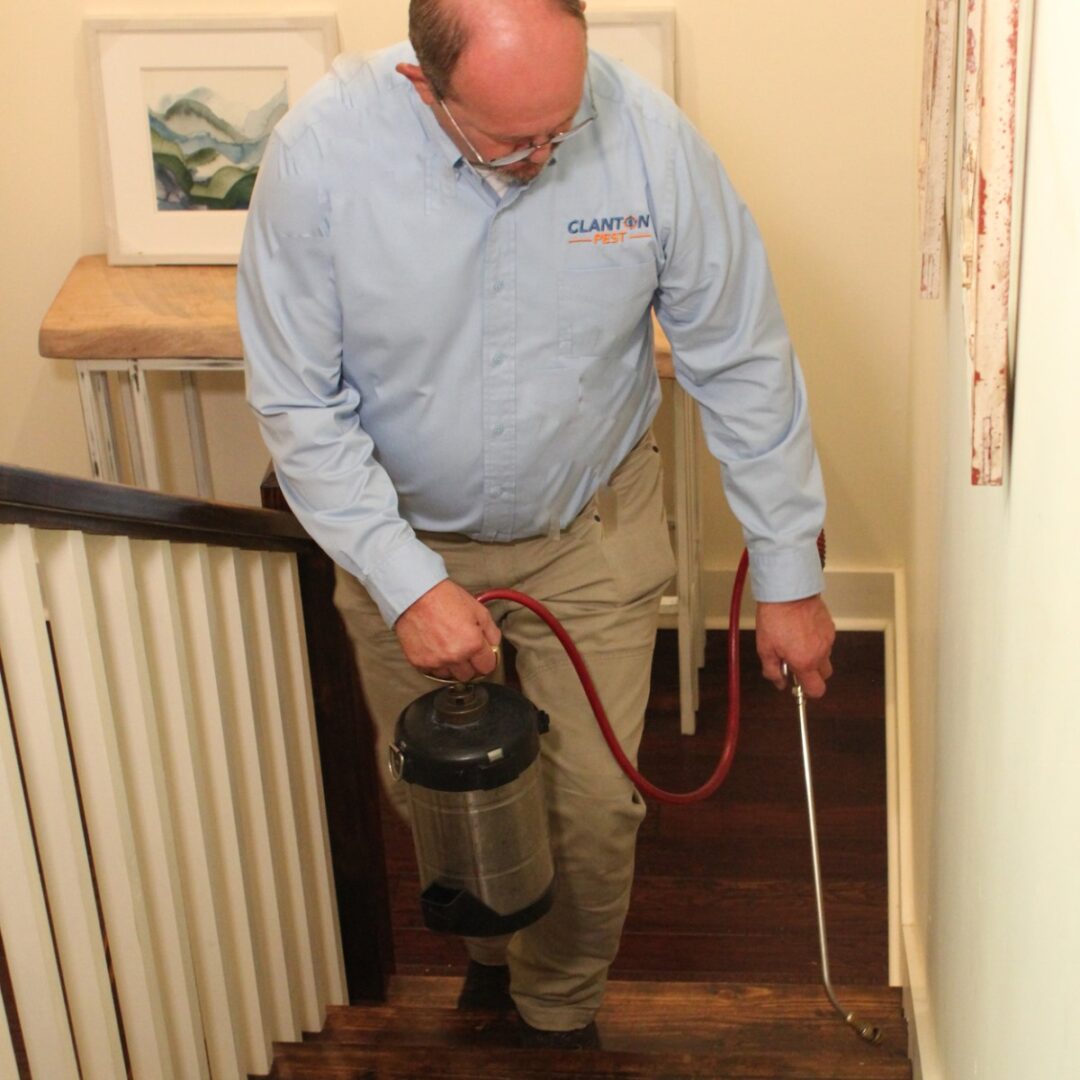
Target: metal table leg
(200,452)
(98,421)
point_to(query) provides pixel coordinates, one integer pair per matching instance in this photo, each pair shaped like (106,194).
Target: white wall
(996,677)
(811,105)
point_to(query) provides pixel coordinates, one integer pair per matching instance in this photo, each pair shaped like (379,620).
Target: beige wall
(810,104)
(813,107)
(994,602)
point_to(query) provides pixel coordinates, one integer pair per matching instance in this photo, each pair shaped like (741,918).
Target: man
(445,296)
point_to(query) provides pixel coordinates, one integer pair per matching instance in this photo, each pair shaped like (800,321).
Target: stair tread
(720,997)
(650,1029)
(698,1034)
(326,1061)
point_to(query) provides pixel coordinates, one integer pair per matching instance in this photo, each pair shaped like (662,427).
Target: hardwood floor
(719,973)
(724,889)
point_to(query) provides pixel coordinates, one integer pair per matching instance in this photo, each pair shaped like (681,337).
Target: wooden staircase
(650,1031)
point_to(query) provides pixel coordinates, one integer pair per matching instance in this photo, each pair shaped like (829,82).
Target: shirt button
(498,429)
(497,359)
(498,286)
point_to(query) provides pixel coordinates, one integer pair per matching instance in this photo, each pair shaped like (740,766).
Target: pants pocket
(634,537)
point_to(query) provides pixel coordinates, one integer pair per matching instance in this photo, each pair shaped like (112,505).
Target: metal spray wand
(868,1032)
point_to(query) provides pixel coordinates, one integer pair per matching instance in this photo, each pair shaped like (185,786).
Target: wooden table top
(107,312)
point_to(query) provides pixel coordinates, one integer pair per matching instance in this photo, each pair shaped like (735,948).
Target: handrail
(53,501)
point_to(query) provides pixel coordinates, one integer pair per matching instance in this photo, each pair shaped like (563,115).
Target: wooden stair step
(650,1029)
(326,1061)
(735,1000)
(731,958)
(643,1032)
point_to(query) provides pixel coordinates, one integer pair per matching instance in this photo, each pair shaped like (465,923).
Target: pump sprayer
(469,754)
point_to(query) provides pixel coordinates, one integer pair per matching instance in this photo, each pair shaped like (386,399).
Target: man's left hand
(799,633)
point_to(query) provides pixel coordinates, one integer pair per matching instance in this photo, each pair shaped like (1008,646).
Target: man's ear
(416,76)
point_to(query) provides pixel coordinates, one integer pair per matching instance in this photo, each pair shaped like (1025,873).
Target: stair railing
(191,862)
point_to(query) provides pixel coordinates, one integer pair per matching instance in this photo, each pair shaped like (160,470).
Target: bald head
(447,34)
(512,70)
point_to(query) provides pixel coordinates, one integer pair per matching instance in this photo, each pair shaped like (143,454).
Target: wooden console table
(135,320)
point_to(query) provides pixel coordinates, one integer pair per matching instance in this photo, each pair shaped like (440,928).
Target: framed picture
(184,108)
(642,39)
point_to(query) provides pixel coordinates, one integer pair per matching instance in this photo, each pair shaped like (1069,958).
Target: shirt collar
(439,140)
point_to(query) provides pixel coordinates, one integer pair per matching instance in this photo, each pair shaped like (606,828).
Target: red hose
(731,736)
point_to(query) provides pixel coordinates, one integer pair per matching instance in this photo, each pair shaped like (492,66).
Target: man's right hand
(449,634)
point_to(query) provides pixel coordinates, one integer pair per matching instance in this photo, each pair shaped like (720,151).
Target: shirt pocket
(600,308)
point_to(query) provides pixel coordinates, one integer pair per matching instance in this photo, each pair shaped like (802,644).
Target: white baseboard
(922,1033)
(858,599)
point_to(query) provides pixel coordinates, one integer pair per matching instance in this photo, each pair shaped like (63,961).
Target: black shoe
(584,1038)
(486,988)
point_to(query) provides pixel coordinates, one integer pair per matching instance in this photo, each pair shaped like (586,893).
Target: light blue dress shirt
(425,354)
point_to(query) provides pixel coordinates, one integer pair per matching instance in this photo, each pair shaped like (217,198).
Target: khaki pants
(602,578)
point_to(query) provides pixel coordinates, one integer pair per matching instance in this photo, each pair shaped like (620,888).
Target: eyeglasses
(520,154)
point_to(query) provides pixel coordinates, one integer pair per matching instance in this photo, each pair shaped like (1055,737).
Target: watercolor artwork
(184,109)
(208,131)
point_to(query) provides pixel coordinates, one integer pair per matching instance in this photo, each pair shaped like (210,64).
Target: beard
(525,172)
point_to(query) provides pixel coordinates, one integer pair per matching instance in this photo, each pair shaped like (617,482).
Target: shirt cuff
(408,572)
(786,574)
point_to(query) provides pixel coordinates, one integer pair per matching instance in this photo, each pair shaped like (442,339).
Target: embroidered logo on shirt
(610,230)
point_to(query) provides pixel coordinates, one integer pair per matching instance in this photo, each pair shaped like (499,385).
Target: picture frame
(643,39)
(183,109)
